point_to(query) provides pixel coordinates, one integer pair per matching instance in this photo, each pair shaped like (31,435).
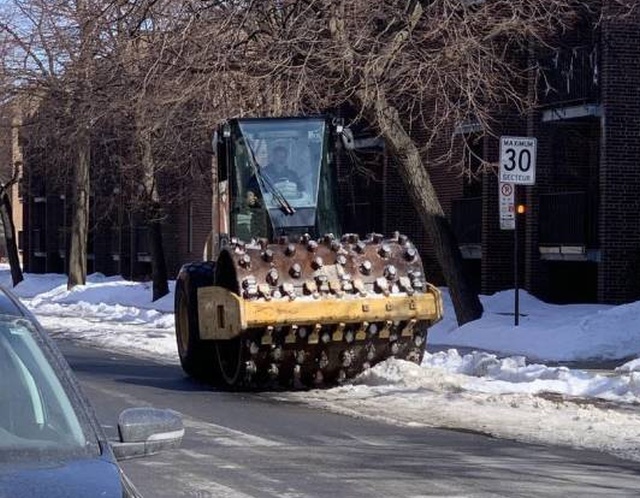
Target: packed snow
(485,376)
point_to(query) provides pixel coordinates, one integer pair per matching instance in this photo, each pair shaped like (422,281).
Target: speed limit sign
(518,160)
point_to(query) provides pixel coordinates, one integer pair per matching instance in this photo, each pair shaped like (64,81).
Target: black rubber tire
(231,363)
(197,357)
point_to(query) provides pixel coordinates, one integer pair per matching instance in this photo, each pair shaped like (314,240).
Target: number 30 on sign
(518,160)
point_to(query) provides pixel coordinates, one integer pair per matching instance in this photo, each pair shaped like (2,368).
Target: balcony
(570,76)
(568,226)
(466,222)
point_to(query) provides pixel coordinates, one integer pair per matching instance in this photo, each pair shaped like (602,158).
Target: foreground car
(51,443)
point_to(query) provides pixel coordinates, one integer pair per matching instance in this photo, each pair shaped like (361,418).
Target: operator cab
(280,175)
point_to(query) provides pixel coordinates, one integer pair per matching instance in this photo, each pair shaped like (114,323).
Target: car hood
(89,477)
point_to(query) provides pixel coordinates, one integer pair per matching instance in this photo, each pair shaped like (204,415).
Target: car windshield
(36,413)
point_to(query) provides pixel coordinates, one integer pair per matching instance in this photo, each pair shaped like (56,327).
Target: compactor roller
(282,305)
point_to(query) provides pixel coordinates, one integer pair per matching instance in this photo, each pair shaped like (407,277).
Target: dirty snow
(500,385)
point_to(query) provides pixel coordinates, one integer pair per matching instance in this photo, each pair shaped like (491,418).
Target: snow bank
(109,312)
(504,398)
(547,332)
(109,298)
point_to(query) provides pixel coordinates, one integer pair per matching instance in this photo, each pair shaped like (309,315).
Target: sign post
(507,206)
(516,278)
(517,167)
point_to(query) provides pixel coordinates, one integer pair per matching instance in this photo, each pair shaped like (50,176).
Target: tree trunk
(80,217)
(6,213)
(159,274)
(158,262)
(423,196)
(414,175)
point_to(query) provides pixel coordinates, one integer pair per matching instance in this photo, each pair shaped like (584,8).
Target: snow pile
(439,394)
(102,298)
(630,366)
(486,373)
(547,332)
(109,312)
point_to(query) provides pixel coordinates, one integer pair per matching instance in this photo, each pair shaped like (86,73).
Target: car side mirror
(145,431)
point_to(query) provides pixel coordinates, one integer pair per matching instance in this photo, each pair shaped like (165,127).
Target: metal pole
(516,283)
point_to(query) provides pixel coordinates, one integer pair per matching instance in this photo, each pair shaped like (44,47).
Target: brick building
(118,237)
(581,233)
(118,243)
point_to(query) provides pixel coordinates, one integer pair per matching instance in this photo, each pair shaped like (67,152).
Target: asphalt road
(239,445)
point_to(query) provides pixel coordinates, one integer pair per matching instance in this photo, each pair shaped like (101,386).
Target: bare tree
(414,69)
(10,171)
(103,79)
(165,127)
(55,49)
(168,70)
(64,57)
